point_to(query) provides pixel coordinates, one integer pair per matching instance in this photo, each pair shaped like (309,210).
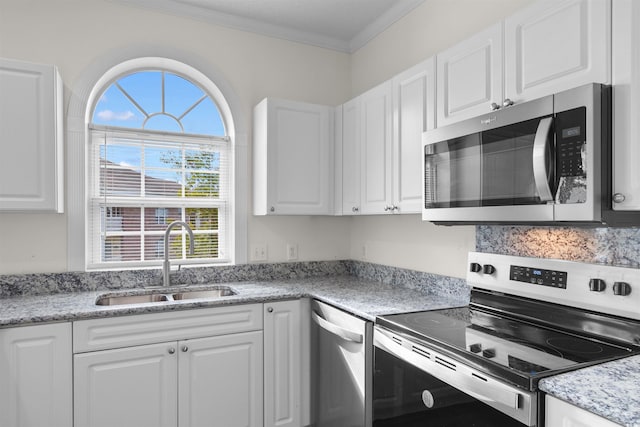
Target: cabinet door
(413,113)
(220,381)
(283,385)
(127,387)
(293,158)
(351,157)
(561,414)
(556,45)
(469,77)
(626,105)
(31,175)
(36,376)
(375,149)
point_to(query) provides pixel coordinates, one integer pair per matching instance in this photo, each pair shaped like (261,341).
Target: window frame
(83,97)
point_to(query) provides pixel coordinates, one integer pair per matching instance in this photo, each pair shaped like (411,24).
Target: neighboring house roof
(125,181)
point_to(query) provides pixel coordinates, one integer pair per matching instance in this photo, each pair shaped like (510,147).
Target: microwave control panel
(571,142)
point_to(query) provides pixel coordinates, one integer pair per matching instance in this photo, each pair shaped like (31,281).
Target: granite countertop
(362,297)
(611,390)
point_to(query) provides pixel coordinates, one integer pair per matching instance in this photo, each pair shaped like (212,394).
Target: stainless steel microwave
(535,162)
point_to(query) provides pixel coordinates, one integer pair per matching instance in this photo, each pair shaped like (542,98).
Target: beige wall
(73,34)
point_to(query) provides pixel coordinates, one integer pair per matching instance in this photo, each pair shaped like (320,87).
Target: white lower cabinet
(287,363)
(214,381)
(562,414)
(35,376)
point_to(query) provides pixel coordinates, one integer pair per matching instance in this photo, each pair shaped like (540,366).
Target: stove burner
(551,351)
(575,345)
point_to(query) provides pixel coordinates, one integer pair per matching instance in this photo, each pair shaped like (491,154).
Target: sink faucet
(166,265)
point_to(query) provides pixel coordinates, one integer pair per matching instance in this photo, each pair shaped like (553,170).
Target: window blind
(141,181)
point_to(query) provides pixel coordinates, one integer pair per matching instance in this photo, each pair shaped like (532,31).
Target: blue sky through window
(141,101)
(158,101)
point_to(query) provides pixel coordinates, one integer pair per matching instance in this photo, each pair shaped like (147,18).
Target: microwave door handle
(540,148)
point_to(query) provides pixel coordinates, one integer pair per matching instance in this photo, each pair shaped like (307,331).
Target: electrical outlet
(292,251)
(259,252)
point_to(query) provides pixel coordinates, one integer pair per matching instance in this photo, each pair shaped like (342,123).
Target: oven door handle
(541,172)
(340,332)
(462,377)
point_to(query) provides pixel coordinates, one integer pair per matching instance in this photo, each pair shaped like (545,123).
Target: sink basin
(208,294)
(131,299)
(161,296)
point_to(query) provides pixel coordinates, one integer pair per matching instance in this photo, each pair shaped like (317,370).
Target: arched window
(159,152)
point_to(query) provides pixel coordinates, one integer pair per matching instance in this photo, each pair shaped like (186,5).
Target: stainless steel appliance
(539,161)
(343,361)
(480,365)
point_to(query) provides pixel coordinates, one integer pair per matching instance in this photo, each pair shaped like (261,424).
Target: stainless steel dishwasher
(342,357)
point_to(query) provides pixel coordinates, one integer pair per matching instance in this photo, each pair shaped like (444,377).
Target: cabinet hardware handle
(272,209)
(185,349)
(171,350)
(387,208)
(618,198)
(270,309)
(507,103)
(355,209)
(494,106)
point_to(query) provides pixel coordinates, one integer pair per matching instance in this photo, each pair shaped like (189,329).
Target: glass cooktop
(511,349)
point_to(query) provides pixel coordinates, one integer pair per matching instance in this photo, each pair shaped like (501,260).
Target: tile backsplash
(612,246)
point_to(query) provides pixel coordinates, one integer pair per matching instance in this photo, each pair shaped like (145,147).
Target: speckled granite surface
(361,288)
(362,297)
(611,246)
(611,390)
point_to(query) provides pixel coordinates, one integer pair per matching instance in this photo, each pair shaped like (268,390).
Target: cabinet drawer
(125,331)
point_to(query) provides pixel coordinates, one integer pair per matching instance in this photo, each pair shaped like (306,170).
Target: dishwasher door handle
(343,333)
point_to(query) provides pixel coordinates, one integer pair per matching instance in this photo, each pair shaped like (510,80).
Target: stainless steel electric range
(480,365)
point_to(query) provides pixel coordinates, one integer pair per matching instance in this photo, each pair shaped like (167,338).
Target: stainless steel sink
(165,295)
(132,299)
(205,294)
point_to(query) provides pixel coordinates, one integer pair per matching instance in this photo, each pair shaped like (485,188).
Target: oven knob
(475,348)
(488,269)
(475,267)
(597,285)
(621,288)
(489,353)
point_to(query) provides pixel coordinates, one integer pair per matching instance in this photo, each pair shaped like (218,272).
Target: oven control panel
(601,288)
(538,276)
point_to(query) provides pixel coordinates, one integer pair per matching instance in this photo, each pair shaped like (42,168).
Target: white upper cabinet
(293,154)
(413,114)
(626,105)
(548,47)
(556,45)
(470,76)
(31,139)
(382,141)
(351,157)
(375,149)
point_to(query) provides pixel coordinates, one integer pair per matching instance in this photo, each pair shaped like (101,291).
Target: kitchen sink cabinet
(36,376)
(287,363)
(562,414)
(31,114)
(293,154)
(215,377)
(547,47)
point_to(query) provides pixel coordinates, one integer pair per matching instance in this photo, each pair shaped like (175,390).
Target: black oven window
(405,396)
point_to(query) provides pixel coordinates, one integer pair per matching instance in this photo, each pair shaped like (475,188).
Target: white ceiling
(343,25)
